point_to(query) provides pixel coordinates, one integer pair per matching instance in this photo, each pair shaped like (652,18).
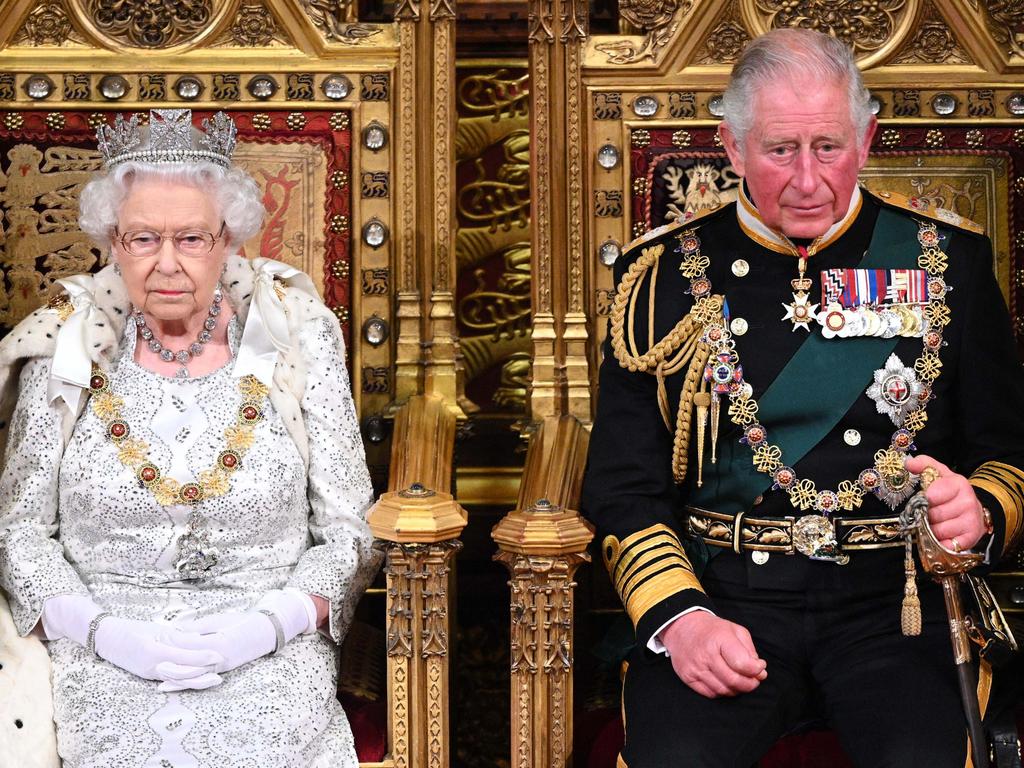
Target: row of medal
(884,303)
(885,322)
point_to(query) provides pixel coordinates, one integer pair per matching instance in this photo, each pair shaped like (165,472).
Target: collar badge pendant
(800,312)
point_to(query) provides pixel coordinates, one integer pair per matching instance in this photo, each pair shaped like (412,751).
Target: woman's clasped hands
(186,653)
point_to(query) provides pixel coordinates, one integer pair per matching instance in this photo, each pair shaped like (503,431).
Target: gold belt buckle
(815,537)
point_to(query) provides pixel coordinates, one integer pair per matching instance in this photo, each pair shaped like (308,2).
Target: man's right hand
(713,656)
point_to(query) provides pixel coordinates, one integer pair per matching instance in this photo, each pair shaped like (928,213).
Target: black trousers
(834,652)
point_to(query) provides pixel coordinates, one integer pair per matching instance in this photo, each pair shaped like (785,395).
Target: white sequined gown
(76,519)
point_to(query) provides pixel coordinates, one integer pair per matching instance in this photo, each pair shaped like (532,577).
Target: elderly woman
(183,498)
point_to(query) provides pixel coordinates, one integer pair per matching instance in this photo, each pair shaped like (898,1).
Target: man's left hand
(955,512)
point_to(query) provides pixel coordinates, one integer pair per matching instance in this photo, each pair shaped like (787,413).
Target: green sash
(815,389)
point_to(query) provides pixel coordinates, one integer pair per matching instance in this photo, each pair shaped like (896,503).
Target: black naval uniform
(830,633)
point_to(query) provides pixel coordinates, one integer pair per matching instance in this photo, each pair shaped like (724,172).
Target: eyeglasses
(191,243)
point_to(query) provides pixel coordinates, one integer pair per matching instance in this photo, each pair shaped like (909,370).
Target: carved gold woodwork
(657,19)
(418,523)
(542,543)
(426,263)
(872,28)
(561,384)
(932,42)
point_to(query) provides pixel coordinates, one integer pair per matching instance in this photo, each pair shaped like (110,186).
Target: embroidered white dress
(76,520)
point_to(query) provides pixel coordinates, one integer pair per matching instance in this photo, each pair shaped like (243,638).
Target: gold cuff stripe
(649,567)
(628,554)
(1006,483)
(640,540)
(655,589)
(643,560)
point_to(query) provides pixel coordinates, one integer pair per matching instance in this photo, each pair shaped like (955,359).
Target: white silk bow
(72,366)
(266,328)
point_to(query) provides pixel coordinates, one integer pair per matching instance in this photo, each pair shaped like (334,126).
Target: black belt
(816,536)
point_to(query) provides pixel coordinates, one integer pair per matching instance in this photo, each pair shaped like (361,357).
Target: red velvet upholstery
(369,727)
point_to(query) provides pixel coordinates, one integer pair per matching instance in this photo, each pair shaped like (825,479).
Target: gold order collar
(134,453)
(888,472)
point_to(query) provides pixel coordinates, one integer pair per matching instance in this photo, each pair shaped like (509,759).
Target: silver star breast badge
(896,390)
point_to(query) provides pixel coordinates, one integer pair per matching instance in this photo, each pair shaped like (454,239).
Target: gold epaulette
(689,219)
(922,206)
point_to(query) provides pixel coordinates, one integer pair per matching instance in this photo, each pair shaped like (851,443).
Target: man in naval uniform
(778,373)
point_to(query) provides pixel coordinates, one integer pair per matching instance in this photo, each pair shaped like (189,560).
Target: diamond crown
(169,138)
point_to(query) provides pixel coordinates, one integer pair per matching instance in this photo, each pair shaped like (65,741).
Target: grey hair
(788,54)
(234,190)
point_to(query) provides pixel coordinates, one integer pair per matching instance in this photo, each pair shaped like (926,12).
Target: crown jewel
(169,138)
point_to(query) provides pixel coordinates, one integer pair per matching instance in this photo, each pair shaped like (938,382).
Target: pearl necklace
(183,356)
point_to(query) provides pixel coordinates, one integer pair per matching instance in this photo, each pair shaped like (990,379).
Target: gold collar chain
(134,453)
(888,478)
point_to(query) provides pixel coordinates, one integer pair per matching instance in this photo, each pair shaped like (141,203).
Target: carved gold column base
(542,544)
(417,515)
(418,580)
(541,608)
(419,523)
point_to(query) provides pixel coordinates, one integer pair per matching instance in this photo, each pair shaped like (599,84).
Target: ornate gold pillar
(542,543)
(408,313)
(425,202)
(419,522)
(558,31)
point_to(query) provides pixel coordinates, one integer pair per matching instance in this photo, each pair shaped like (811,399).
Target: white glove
(144,648)
(243,637)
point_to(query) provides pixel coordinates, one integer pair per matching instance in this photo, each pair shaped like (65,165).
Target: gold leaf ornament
(937,314)
(849,496)
(238,438)
(107,405)
(888,462)
(132,452)
(694,264)
(915,420)
(707,310)
(214,482)
(767,458)
(928,367)
(932,260)
(803,494)
(743,410)
(252,388)
(166,491)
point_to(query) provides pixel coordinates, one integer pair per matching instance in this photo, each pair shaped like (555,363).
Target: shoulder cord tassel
(702,400)
(681,347)
(716,410)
